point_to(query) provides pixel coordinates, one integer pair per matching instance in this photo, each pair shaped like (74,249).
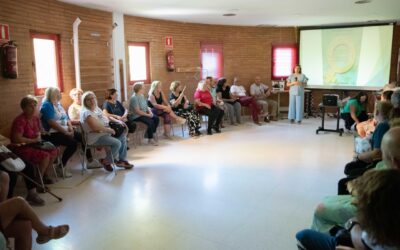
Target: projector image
(330,100)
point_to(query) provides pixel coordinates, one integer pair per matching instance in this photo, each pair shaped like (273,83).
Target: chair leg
(40,177)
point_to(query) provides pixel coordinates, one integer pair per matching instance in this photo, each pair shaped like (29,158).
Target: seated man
(238,92)
(336,210)
(261,92)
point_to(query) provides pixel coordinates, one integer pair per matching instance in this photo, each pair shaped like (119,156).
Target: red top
(204,96)
(28,129)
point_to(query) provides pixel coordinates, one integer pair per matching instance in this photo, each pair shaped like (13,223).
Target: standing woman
(160,107)
(354,110)
(181,106)
(296,82)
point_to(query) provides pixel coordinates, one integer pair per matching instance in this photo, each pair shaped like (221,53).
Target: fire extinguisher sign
(168,42)
(4,33)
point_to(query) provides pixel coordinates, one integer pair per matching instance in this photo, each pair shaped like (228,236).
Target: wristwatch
(350,224)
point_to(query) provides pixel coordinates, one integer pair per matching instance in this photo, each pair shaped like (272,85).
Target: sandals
(53,234)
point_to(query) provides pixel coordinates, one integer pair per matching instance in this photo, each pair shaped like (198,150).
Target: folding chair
(86,146)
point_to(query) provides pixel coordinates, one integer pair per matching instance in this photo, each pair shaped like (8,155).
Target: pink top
(28,129)
(204,96)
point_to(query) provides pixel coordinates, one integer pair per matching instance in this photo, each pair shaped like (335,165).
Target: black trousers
(28,171)
(214,114)
(348,121)
(71,144)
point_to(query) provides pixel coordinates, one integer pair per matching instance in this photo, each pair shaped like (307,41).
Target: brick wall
(246,50)
(50,16)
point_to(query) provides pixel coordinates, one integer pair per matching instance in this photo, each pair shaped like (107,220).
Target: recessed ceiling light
(229,14)
(362,1)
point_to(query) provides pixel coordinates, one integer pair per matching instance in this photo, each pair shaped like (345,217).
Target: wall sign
(4,33)
(168,42)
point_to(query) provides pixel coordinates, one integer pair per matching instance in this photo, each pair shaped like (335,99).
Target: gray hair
(85,96)
(200,85)
(137,87)
(395,100)
(49,93)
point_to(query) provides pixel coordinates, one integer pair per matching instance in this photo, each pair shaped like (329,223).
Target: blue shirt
(379,132)
(48,112)
(295,89)
(115,109)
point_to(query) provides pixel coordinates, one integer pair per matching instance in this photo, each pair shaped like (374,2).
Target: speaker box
(330,100)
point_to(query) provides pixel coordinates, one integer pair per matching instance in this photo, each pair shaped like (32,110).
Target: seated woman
(377,223)
(96,126)
(59,129)
(357,168)
(366,128)
(354,110)
(115,111)
(181,106)
(17,219)
(140,112)
(74,109)
(239,93)
(232,105)
(160,107)
(25,134)
(204,105)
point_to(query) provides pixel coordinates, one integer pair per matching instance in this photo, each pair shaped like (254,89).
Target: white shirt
(258,89)
(97,114)
(238,90)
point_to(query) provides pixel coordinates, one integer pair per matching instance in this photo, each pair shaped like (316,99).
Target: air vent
(229,14)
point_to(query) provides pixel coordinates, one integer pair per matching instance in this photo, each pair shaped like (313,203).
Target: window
(139,63)
(47,62)
(211,60)
(284,58)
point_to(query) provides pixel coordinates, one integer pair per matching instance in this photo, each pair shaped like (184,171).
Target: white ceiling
(254,12)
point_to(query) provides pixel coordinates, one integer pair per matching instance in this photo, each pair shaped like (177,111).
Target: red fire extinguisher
(9,54)
(170,61)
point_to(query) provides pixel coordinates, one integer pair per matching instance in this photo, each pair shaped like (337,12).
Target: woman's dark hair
(109,93)
(294,69)
(359,95)
(387,94)
(378,205)
(220,83)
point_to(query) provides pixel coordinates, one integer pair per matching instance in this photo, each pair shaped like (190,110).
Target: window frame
(218,45)
(146,45)
(57,41)
(295,61)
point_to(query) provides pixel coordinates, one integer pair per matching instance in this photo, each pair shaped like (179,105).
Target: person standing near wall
(296,82)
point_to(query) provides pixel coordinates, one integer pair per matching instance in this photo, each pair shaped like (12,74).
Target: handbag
(118,128)
(131,126)
(43,145)
(10,161)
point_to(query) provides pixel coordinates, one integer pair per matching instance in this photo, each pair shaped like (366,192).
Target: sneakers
(35,200)
(153,142)
(266,119)
(124,164)
(66,174)
(93,164)
(107,165)
(216,129)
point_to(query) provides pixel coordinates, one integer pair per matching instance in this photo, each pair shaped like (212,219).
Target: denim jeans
(312,240)
(114,143)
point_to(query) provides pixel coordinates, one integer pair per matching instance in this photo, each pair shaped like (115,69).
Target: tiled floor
(249,187)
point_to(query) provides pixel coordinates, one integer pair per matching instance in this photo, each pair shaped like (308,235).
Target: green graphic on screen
(347,57)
